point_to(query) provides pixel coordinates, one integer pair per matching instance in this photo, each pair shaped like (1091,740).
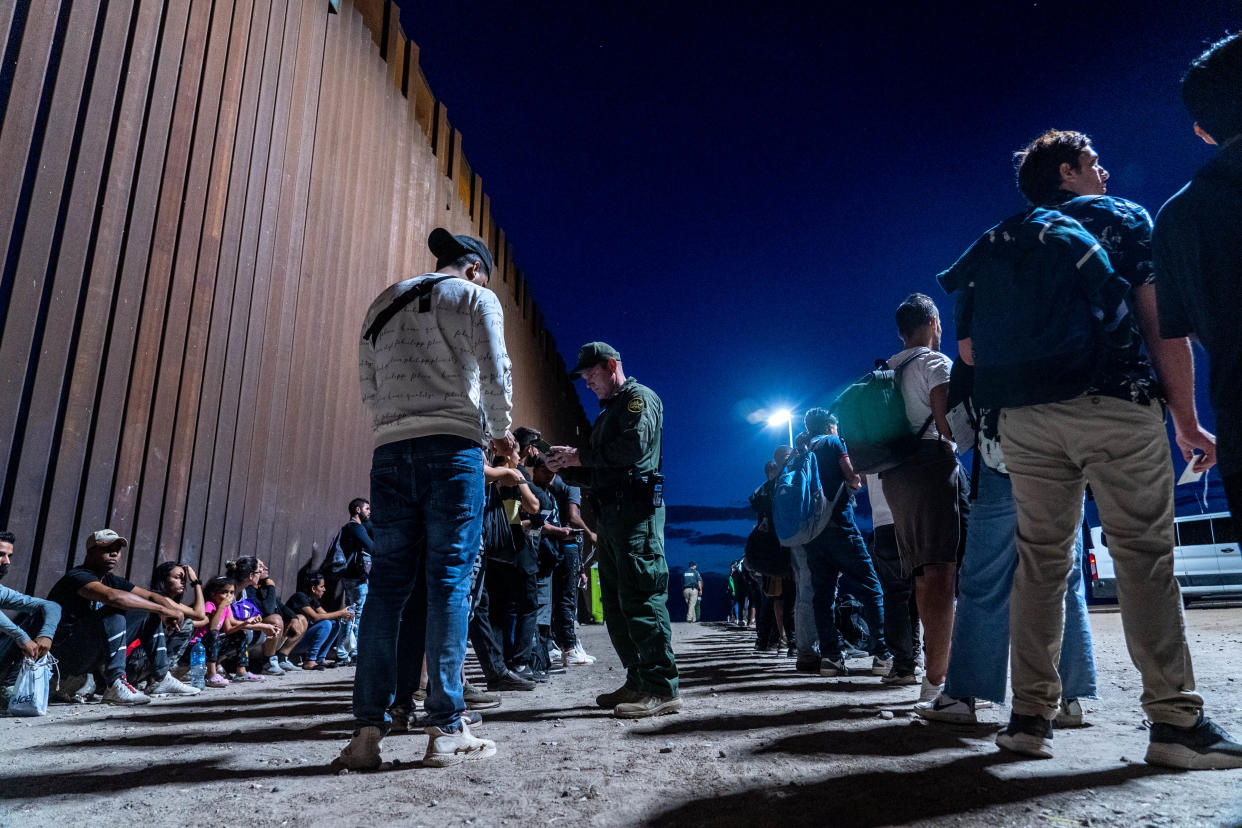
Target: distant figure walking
(691,590)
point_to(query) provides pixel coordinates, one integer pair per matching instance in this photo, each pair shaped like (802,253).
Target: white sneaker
(288,666)
(555,654)
(1070,714)
(576,655)
(928,691)
(362,752)
(122,692)
(169,686)
(945,708)
(881,666)
(444,749)
(74,689)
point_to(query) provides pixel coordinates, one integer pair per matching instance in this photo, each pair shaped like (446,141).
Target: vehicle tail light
(1095,575)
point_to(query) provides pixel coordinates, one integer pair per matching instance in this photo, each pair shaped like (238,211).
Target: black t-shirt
(299,601)
(690,579)
(74,606)
(265,598)
(1198,253)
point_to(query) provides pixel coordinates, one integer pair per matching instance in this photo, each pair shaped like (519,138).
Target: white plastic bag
(34,682)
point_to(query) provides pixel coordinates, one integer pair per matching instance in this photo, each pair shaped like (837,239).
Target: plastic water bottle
(198,666)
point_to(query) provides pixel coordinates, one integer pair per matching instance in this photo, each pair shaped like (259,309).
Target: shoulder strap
(922,350)
(421,291)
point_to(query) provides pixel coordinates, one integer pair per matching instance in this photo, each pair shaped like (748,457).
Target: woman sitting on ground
(325,627)
(244,626)
(174,580)
(266,598)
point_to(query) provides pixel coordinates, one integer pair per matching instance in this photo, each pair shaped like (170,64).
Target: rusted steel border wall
(198,201)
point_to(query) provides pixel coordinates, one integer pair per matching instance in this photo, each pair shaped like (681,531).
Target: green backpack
(871,415)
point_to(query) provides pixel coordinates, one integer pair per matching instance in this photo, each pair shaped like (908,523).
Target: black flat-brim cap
(448,248)
(592,354)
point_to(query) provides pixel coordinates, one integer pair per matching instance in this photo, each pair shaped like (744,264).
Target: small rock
(343,772)
(720,754)
(433,803)
(666,750)
(276,789)
(886,714)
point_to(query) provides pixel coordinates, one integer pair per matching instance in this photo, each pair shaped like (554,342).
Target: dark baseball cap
(527,436)
(592,354)
(448,248)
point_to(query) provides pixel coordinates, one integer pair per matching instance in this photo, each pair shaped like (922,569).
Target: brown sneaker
(607,701)
(479,699)
(362,752)
(647,706)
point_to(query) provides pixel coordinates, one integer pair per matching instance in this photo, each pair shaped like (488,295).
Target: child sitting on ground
(225,637)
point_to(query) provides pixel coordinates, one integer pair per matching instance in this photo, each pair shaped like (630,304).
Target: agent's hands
(563,457)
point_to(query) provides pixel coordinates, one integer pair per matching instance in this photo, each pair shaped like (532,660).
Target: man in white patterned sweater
(437,380)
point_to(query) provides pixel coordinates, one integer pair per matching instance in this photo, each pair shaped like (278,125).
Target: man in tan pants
(692,589)
(1051,307)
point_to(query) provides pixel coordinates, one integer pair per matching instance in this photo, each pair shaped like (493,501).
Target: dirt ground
(756,745)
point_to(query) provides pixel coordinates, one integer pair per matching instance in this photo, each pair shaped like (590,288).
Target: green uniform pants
(633,580)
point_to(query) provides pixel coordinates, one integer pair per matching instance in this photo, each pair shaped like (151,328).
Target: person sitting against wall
(29,633)
(226,639)
(325,628)
(174,581)
(289,626)
(102,613)
(245,574)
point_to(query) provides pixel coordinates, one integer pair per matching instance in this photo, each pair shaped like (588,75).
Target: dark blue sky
(737,198)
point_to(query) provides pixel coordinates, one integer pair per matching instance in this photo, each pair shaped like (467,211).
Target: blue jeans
(834,552)
(317,641)
(355,598)
(806,636)
(427,494)
(979,663)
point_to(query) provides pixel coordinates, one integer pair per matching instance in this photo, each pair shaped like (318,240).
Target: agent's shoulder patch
(636,405)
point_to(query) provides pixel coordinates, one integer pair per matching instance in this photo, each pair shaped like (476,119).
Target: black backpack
(336,560)
(1039,300)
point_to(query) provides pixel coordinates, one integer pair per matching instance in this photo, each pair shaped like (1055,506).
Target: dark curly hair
(1039,163)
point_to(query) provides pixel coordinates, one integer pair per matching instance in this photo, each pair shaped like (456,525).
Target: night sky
(738,197)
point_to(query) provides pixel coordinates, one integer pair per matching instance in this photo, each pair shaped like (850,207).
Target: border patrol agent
(620,467)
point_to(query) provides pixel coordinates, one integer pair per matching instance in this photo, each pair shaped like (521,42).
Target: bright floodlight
(779,418)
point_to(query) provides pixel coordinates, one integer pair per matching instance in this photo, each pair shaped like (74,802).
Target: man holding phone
(620,466)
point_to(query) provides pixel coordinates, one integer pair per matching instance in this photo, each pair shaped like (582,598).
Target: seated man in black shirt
(103,613)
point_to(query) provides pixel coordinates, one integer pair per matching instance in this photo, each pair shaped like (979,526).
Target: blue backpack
(800,510)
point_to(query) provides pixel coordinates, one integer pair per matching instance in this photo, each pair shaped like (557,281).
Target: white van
(1206,559)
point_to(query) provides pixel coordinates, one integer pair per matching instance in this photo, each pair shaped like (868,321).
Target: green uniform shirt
(625,439)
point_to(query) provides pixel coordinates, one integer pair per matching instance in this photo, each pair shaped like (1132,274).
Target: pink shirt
(199,632)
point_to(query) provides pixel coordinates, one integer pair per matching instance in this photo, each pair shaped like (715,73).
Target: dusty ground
(756,745)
